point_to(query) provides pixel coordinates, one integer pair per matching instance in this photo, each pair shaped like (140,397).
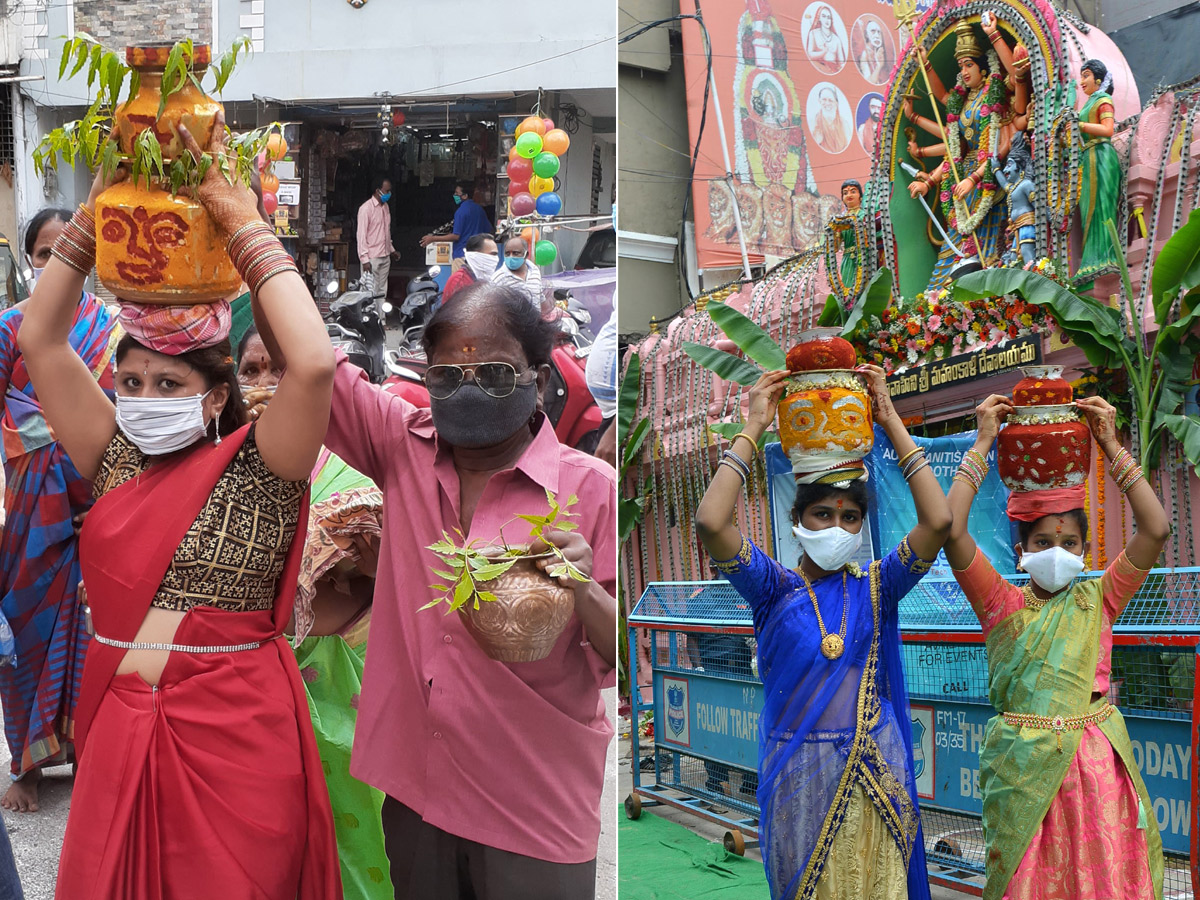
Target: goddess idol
(977,108)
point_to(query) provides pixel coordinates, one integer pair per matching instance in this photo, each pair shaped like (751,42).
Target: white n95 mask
(1052,569)
(829,548)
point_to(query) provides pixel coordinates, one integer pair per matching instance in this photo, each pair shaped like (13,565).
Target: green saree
(1043,662)
(1099,194)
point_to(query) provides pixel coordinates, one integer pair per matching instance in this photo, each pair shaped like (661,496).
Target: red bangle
(76,244)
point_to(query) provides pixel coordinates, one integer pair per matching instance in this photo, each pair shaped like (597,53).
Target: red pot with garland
(819,349)
(1045,444)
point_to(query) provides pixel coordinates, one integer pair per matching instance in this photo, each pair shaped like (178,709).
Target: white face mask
(34,274)
(829,548)
(161,425)
(482,264)
(1052,569)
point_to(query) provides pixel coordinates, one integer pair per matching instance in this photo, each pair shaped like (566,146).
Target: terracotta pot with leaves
(1158,367)
(515,610)
(154,242)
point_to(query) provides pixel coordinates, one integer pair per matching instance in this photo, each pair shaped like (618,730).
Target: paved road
(37,837)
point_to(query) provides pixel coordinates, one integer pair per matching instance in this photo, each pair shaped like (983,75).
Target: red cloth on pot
(177,329)
(1029,506)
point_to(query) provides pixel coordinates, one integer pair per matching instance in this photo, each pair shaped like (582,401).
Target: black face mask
(471,418)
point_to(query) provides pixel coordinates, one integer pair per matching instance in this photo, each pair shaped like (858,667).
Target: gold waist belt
(1059,724)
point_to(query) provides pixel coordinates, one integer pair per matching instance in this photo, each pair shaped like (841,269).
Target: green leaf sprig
(470,566)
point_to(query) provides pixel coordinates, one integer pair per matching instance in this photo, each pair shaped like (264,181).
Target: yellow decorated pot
(825,420)
(190,105)
(155,247)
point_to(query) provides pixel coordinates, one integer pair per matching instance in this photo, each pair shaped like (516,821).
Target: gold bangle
(742,434)
(907,456)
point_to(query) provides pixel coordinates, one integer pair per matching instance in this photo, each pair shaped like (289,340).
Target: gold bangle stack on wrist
(76,245)
(258,255)
(753,442)
(913,462)
(972,470)
(1125,471)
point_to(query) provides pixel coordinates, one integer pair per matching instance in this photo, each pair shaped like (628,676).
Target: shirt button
(437,735)
(447,639)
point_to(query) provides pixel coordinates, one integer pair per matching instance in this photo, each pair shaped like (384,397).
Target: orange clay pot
(1042,386)
(190,105)
(820,349)
(152,247)
(826,416)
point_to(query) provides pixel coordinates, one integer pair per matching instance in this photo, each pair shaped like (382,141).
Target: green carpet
(659,860)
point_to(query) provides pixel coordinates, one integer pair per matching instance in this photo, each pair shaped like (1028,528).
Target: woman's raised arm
(83,419)
(290,432)
(960,546)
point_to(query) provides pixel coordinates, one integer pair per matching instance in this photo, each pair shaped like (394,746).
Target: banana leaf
(629,513)
(1096,328)
(832,313)
(1177,269)
(1175,334)
(633,446)
(751,340)
(1187,431)
(871,302)
(628,396)
(725,365)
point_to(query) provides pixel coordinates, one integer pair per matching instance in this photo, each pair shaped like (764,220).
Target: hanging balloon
(270,183)
(518,187)
(513,154)
(523,205)
(546,165)
(544,253)
(533,125)
(277,147)
(520,169)
(270,203)
(556,142)
(398,117)
(530,236)
(539,186)
(549,123)
(549,204)
(529,145)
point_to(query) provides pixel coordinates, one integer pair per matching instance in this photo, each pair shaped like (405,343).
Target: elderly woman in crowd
(39,562)
(493,771)
(199,774)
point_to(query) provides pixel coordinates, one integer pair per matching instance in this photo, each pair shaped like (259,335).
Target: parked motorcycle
(354,326)
(574,320)
(422,298)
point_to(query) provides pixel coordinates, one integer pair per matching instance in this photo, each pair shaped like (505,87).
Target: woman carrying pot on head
(519,271)
(839,816)
(198,775)
(447,732)
(39,562)
(1065,812)
(481,256)
(329,628)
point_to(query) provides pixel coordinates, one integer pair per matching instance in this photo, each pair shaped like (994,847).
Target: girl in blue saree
(839,817)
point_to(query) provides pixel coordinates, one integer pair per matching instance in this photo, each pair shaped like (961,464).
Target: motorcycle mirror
(435,271)
(387,308)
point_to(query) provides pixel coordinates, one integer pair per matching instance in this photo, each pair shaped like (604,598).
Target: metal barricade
(706,698)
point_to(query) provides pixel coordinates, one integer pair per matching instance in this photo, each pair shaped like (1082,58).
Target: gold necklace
(832,645)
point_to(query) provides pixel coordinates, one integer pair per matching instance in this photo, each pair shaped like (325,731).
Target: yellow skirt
(864,862)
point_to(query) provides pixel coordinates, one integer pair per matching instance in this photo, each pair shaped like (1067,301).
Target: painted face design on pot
(828,420)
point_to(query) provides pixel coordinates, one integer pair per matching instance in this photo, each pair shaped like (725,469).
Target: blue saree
(830,726)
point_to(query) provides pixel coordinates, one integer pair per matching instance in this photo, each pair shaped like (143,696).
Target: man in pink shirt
(375,250)
(493,771)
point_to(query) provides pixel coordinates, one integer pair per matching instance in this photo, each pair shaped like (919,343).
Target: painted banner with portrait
(800,89)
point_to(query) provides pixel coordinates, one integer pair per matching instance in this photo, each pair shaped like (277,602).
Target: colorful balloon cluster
(532,165)
(276,150)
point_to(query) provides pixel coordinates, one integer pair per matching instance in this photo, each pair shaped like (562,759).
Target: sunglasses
(496,379)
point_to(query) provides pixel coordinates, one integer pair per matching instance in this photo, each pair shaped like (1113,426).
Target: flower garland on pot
(957,213)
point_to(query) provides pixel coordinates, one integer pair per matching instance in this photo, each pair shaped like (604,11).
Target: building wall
(120,23)
(654,163)
(1115,14)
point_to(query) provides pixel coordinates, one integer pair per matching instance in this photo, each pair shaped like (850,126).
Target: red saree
(208,784)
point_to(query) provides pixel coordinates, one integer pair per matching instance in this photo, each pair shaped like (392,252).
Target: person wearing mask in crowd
(329,629)
(1065,810)
(835,724)
(198,771)
(444,730)
(520,272)
(603,377)
(481,256)
(374,236)
(39,557)
(469,220)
